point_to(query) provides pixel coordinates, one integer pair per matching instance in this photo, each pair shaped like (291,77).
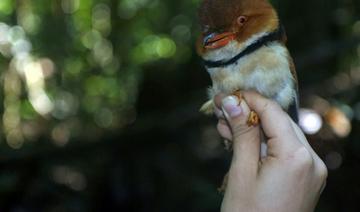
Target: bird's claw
(253,119)
(238,94)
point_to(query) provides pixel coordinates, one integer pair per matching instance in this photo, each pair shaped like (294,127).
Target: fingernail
(231,106)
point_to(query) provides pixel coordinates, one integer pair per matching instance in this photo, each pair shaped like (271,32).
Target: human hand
(290,178)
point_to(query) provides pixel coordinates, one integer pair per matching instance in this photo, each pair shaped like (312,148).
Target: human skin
(290,178)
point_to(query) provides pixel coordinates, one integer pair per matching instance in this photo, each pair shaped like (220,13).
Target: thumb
(246,139)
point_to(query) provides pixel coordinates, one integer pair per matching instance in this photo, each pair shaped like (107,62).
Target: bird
(243,47)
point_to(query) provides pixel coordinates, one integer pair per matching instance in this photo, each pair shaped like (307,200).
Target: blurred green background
(99,104)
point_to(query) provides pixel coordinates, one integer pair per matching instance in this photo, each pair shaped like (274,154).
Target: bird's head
(223,21)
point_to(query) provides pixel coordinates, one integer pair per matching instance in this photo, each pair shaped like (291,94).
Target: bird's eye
(241,20)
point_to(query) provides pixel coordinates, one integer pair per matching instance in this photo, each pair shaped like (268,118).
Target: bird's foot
(238,94)
(253,119)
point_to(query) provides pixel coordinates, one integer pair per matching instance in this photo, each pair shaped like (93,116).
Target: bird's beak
(216,40)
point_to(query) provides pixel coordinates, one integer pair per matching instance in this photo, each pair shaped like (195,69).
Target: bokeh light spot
(356,28)
(47,66)
(60,135)
(165,48)
(31,130)
(4,30)
(70,177)
(65,105)
(128,8)
(310,121)
(153,48)
(90,38)
(21,46)
(342,81)
(101,18)
(181,33)
(333,160)
(6,6)
(74,66)
(104,118)
(339,122)
(30,22)
(35,81)
(103,52)
(16,33)
(41,102)
(70,6)
(15,139)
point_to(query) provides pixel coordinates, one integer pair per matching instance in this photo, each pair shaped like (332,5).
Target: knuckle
(241,130)
(268,106)
(322,171)
(302,159)
(272,107)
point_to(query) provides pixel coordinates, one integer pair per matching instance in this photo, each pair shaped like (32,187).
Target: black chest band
(273,36)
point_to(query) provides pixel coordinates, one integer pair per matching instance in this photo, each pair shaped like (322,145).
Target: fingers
(319,166)
(233,126)
(273,118)
(222,125)
(224,130)
(276,124)
(284,137)
(303,140)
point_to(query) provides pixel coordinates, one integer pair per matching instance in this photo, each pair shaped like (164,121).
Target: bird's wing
(208,107)
(293,109)
(293,70)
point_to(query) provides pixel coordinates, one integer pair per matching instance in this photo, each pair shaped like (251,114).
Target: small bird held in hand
(243,48)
